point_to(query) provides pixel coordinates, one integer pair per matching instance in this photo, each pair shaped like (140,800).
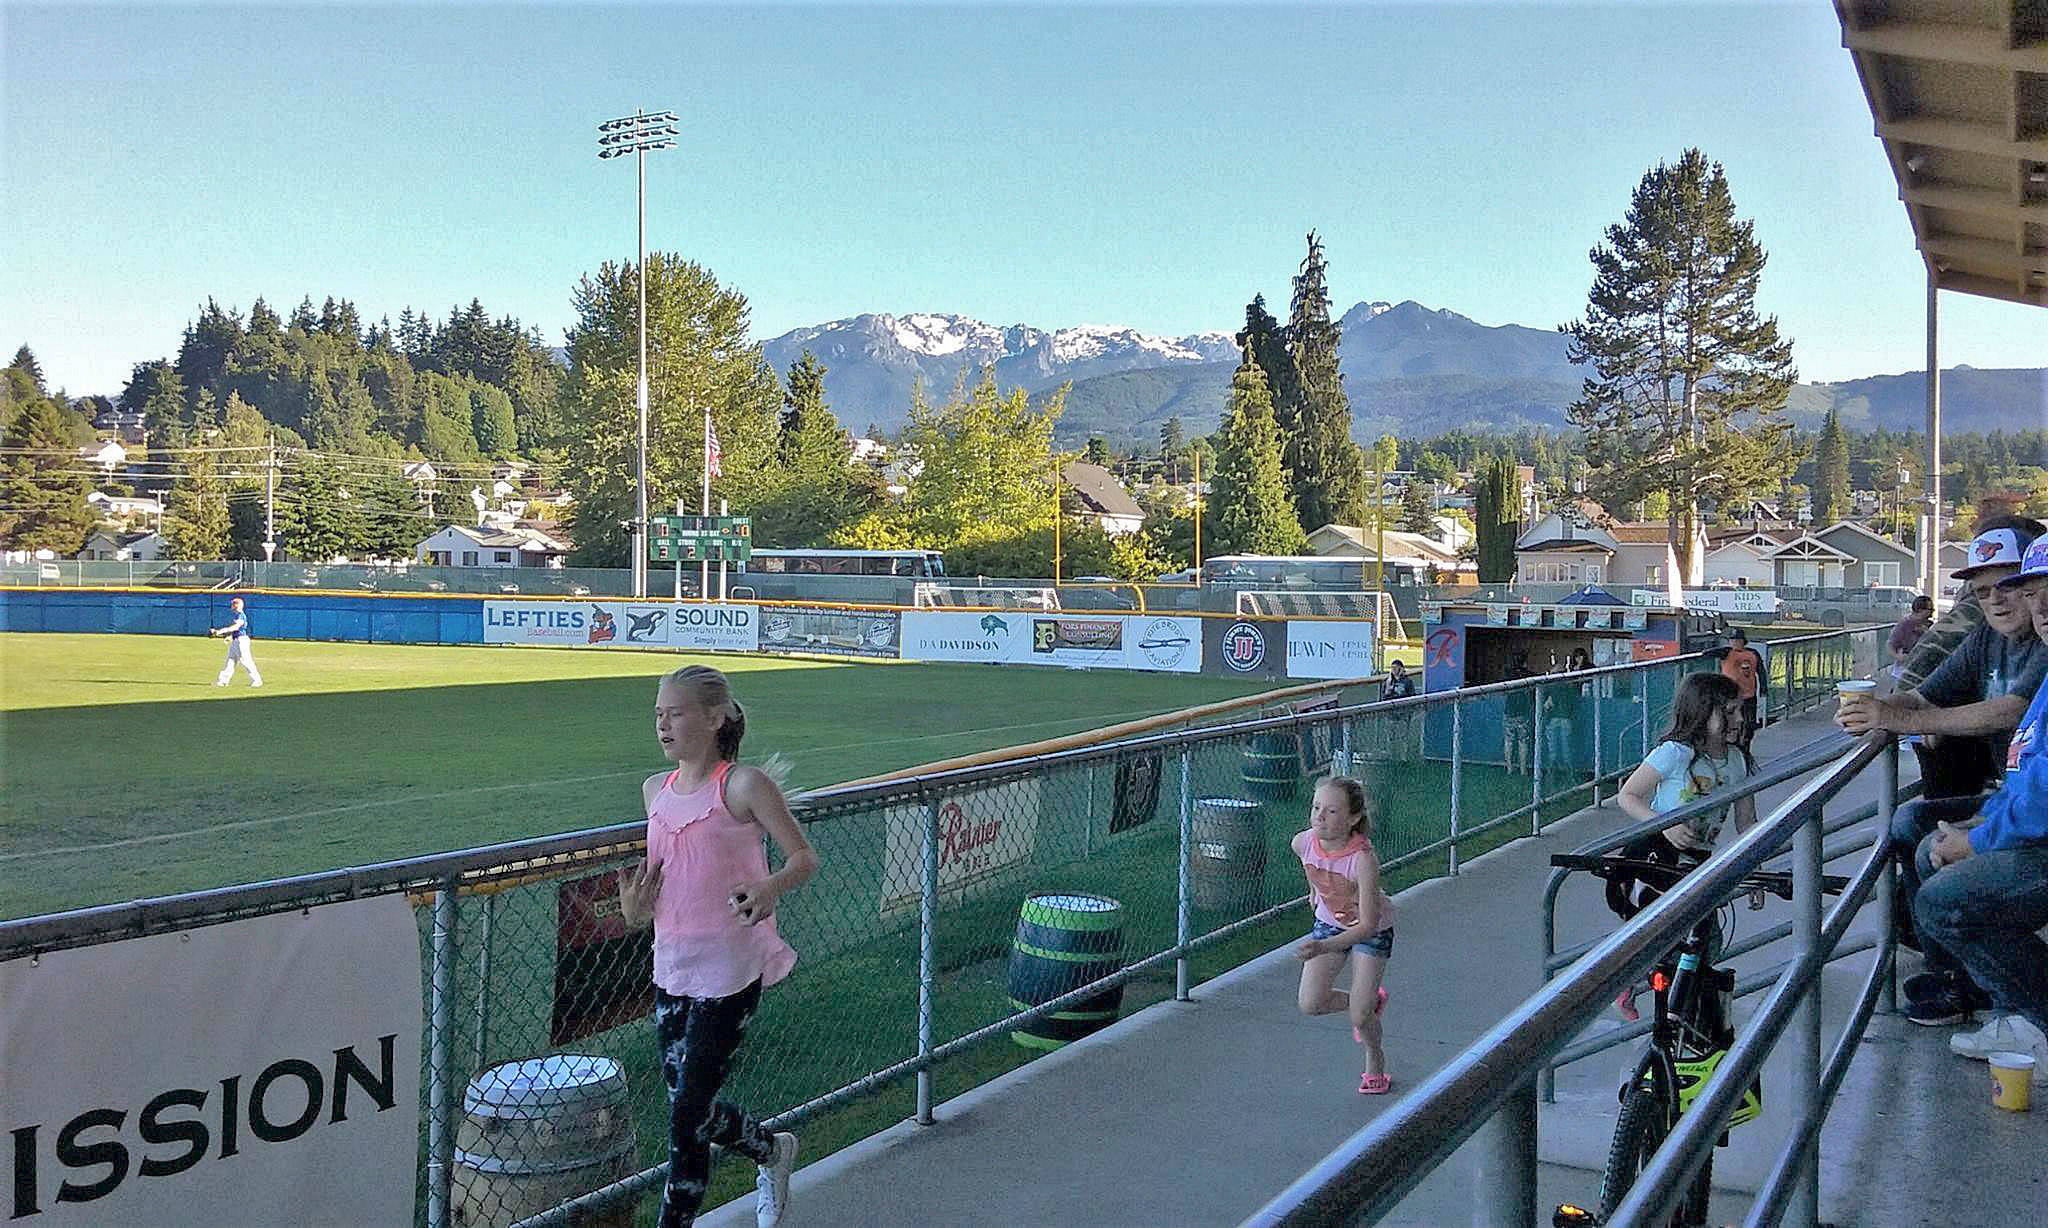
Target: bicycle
(1690,1033)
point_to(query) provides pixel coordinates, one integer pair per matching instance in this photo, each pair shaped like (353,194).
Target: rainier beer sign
(980,834)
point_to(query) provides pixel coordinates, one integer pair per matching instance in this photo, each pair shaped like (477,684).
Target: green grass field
(128,774)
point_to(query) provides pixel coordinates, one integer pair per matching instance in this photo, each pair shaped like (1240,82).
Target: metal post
(1930,535)
(1536,733)
(1887,804)
(1595,687)
(640,393)
(1184,921)
(1506,1159)
(927,958)
(1457,777)
(441,1057)
(1343,765)
(1804,1210)
(483,982)
(1643,685)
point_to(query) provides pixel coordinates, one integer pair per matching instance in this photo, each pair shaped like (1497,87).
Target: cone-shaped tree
(42,484)
(1249,511)
(1324,465)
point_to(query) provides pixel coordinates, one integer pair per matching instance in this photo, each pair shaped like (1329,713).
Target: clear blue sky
(1151,166)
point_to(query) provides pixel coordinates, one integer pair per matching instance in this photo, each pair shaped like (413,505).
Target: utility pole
(636,134)
(1197,458)
(270,497)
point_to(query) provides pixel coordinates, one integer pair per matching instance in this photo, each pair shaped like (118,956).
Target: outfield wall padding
(284,616)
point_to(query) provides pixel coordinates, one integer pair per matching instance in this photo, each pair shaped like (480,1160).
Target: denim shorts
(1380,944)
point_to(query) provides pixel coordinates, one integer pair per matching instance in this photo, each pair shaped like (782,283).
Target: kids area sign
(258,1071)
(981,833)
(690,625)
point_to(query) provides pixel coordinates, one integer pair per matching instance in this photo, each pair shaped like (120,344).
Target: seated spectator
(1985,894)
(1981,690)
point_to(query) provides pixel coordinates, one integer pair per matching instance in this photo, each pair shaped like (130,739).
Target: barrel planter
(1272,766)
(1228,854)
(1063,942)
(539,1132)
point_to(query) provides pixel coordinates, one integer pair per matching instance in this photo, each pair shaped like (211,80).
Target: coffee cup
(2012,1078)
(1849,687)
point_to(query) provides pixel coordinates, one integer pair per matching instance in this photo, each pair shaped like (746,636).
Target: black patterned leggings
(697,1038)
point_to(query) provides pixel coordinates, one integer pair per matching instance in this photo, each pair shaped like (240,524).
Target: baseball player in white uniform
(236,633)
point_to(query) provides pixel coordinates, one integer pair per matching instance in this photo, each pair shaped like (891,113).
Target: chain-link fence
(963,921)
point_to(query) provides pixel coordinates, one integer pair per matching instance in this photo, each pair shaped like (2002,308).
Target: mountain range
(1410,370)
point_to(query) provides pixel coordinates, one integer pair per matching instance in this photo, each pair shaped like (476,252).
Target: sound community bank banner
(258,1071)
(689,625)
(1025,637)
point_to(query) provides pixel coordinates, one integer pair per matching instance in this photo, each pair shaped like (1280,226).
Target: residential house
(1560,549)
(1843,555)
(125,428)
(514,545)
(868,451)
(105,456)
(127,509)
(1740,557)
(1103,499)
(114,545)
(1422,554)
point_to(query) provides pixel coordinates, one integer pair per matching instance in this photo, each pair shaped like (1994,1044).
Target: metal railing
(905,935)
(1493,1084)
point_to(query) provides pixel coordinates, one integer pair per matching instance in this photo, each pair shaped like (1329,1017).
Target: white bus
(914,564)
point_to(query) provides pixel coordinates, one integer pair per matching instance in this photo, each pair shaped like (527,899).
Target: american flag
(710,447)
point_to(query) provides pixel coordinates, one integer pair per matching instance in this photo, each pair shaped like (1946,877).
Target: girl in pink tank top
(706,888)
(1353,917)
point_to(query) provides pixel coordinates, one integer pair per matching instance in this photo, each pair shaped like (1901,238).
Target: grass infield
(128,774)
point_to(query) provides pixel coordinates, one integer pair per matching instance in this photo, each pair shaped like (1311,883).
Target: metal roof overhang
(1959,93)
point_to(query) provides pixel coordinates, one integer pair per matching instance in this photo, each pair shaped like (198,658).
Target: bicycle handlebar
(1662,876)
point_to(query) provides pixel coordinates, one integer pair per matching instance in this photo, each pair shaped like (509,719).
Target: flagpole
(704,564)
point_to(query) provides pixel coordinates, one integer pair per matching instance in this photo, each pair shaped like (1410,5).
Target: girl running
(1700,754)
(1352,916)
(705,886)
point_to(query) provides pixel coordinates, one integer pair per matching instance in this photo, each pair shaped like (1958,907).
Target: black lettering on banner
(25,1172)
(259,1120)
(349,1068)
(154,1129)
(230,1116)
(110,1153)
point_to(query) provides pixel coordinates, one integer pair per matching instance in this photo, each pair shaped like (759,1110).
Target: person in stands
(1907,634)
(1970,704)
(1744,666)
(1984,894)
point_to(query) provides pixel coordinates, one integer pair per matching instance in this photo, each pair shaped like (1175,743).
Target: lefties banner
(264,1070)
(691,625)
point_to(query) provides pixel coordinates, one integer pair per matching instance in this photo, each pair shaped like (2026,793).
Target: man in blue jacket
(1986,895)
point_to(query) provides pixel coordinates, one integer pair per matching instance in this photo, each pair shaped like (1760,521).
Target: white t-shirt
(1687,775)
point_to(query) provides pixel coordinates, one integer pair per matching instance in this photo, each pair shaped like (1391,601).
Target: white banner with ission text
(258,1071)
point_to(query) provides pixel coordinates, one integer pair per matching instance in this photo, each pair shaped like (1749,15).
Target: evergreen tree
(1418,515)
(821,492)
(1688,380)
(25,362)
(1173,441)
(1496,509)
(210,343)
(393,519)
(319,517)
(196,515)
(1249,512)
(490,415)
(1097,451)
(1267,341)
(1328,474)
(42,487)
(1831,475)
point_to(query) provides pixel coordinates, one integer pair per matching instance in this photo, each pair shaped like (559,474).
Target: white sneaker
(1996,1036)
(2029,1040)
(771,1183)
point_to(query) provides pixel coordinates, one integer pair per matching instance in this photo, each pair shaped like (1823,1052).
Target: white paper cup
(1855,686)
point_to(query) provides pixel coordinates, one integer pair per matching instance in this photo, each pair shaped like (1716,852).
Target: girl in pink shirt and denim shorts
(1353,917)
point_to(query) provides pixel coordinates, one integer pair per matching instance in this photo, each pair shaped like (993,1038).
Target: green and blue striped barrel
(1063,942)
(1272,766)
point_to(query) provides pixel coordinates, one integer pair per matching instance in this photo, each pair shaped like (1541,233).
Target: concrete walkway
(1196,1113)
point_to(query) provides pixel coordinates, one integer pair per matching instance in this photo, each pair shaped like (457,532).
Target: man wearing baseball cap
(1985,894)
(1968,705)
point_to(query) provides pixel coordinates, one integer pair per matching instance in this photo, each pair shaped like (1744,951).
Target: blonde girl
(1353,916)
(706,889)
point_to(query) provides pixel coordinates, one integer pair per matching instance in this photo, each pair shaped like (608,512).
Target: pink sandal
(1375,1084)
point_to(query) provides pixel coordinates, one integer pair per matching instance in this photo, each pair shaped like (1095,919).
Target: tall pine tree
(1688,379)
(42,485)
(1496,514)
(1267,341)
(1328,472)
(1831,473)
(196,517)
(1249,511)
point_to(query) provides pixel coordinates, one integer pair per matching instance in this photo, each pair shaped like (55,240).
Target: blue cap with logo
(2033,563)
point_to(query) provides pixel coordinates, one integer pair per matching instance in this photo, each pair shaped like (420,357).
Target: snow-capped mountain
(873,361)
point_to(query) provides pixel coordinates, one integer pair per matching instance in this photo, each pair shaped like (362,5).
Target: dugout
(1470,644)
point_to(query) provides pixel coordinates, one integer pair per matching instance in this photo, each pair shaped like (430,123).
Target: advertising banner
(1725,600)
(255,1069)
(982,833)
(604,968)
(624,624)
(1322,649)
(1020,637)
(1245,648)
(839,633)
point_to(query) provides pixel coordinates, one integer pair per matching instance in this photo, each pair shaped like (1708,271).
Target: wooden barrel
(539,1132)
(1272,766)
(1227,860)
(1063,942)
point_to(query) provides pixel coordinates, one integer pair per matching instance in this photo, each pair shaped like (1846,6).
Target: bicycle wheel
(1645,1120)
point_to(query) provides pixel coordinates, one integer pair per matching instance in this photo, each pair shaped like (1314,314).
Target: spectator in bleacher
(1985,894)
(1908,633)
(1976,696)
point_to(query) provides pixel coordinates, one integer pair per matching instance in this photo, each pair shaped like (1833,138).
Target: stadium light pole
(637,134)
